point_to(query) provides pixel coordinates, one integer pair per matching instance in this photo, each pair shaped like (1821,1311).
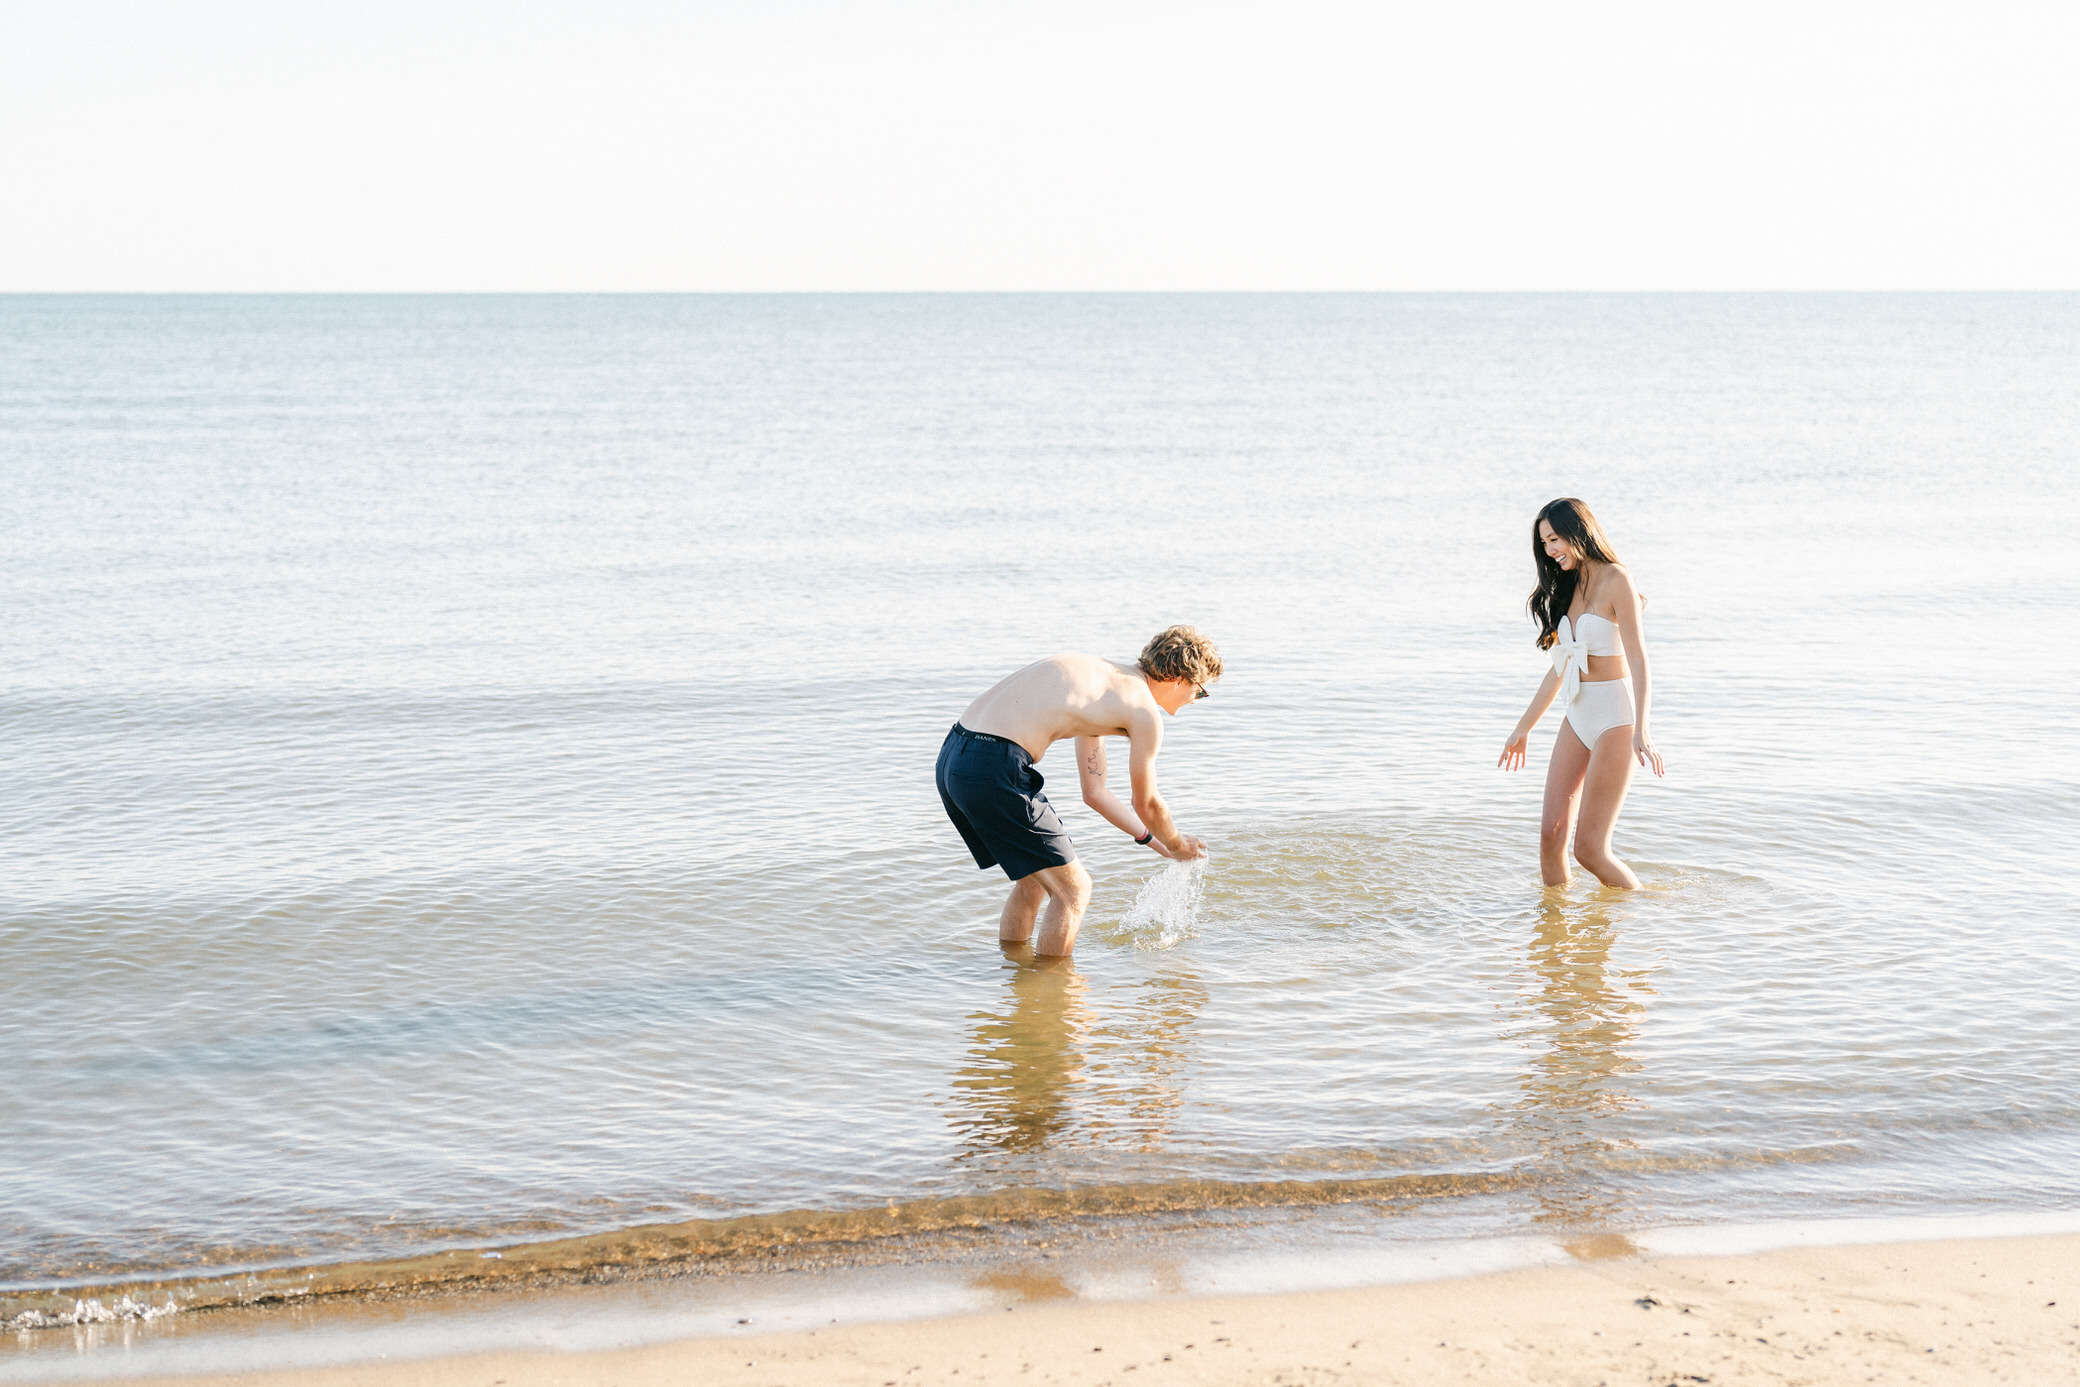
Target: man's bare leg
(1015,926)
(1066,893)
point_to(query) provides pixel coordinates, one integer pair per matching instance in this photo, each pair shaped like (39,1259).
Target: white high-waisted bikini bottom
(1599,707)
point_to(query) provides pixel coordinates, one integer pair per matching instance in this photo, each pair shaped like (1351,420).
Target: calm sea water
(467,767)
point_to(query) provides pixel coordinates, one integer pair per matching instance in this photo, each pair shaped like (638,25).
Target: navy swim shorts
(992,794)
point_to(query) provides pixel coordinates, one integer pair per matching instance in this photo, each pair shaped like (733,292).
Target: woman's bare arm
(1513,751)
(1625,598)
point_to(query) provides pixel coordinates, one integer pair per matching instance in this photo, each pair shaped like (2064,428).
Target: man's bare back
(1067,696)
(992,790)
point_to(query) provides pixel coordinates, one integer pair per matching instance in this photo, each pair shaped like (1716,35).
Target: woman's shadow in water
(1044,1070)
(1589,1012)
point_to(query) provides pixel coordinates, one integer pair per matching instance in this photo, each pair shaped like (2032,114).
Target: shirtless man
(991,788)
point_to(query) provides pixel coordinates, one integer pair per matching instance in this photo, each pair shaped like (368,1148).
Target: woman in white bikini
(1588,619)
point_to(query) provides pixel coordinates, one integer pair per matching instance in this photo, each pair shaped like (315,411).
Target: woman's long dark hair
(1554,594)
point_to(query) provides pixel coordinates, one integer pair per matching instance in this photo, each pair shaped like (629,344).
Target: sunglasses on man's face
(1200,691)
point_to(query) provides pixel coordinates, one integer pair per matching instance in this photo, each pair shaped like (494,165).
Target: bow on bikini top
(1574,643)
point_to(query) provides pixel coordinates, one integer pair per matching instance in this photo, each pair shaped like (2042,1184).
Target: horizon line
(1008,293)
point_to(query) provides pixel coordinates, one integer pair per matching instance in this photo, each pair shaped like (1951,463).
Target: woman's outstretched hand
(1643,748)
(1513,754)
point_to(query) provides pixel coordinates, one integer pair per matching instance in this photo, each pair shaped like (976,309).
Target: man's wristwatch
(1142,841)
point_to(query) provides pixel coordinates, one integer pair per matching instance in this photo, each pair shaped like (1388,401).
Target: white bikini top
(1574,643)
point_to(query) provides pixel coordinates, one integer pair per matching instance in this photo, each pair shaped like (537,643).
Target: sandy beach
(1966,1311)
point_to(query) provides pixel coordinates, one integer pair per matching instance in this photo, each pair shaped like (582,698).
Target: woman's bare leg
(1564,772)
(1603,795)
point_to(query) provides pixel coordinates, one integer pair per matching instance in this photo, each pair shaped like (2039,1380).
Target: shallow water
(469,760)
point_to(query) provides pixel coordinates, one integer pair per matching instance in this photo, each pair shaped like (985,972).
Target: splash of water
(1166,913)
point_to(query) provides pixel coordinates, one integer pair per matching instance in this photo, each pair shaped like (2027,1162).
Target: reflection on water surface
(1013,1093)
(1586,1013)
(1055,1066)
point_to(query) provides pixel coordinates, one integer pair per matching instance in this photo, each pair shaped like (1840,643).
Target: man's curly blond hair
(1180,652)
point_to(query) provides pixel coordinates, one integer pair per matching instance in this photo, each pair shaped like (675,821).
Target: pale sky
(1001,144)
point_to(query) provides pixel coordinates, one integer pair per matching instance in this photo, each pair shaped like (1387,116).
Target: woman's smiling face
(1557,549)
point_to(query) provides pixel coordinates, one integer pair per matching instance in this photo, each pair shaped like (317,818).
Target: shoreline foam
(667,1248)
(1964,1310)
(797,1235)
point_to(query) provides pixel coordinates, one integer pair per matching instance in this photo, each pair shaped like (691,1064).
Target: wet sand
(1965,1311)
